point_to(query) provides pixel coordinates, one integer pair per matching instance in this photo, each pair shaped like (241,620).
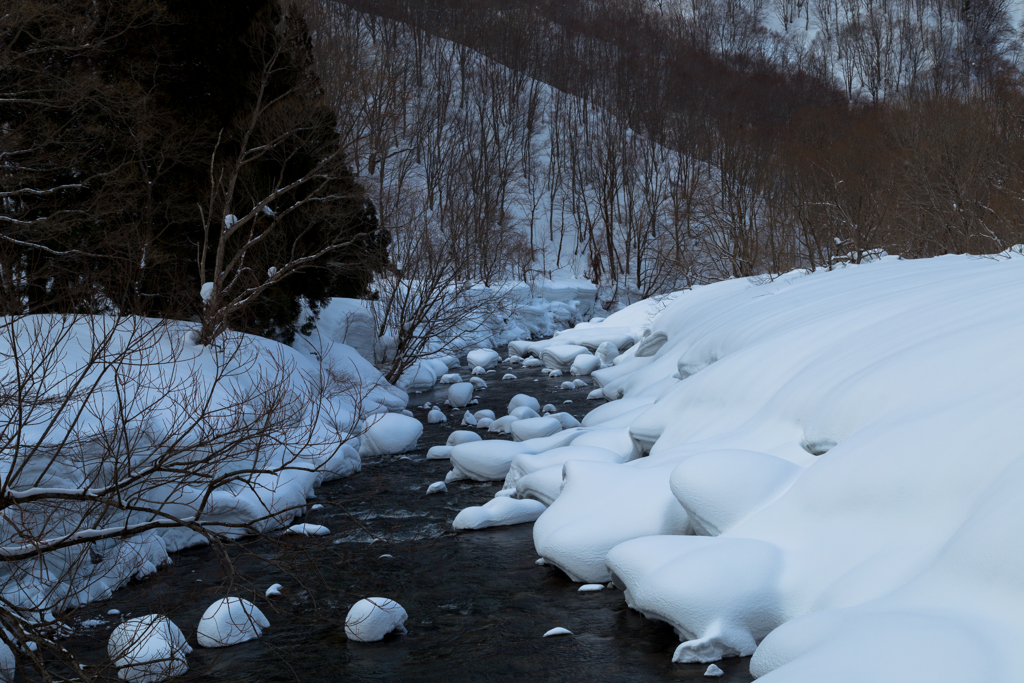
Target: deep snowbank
(853,437)
(233,437)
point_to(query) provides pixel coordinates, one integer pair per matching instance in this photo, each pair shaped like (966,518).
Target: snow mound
(533,363)
(498,512)
(230,621)
(477,383)
(439,453)
(389,434)
(483,358)
(714,671)
(437,487)
(523,400)
(590,587)
(595,395)
(274,591)
(371,619)
(558,631)
(450,378)
(561,356)
(148,649)
(535,428)
(523,413)
(435,416)
(460,394)
(584,364)
(509,375)
(460,436)
(468,420)
(309,530)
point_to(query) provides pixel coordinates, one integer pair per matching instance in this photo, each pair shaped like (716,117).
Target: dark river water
(478,603)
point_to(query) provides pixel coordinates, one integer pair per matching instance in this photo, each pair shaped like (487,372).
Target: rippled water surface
(477,602)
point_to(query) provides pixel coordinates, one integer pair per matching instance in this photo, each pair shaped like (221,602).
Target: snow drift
(849,446)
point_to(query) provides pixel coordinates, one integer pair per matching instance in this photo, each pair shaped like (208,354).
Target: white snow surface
(501,511)
(390,434)
(148,649)
(849,445)
(370,619)
(230,621)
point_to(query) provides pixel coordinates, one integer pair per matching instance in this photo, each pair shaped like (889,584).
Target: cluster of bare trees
(683,143)
(123,439)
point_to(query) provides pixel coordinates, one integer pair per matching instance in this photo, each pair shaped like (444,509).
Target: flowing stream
(478,603)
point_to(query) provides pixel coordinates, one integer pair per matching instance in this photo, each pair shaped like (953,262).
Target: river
(478,603)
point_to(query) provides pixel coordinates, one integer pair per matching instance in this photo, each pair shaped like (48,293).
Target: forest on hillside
(658,145)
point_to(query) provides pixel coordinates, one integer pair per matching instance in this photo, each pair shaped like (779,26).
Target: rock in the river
(371,619)
(230,621)
(148,649)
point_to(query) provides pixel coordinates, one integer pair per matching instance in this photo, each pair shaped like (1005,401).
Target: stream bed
(478,603)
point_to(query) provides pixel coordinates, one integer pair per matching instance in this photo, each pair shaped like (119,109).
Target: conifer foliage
(174,158)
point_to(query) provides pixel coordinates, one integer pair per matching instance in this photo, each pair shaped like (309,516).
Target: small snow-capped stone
(554,373)
(579,384)
(148,649)
(541,561)
(460,436)
(533,363)
(435,416)
(468,420)
(509,375)
(481,414)
(479,370)
(566,385)
(590,587)
(548,408)
(316,507)
(450,378)
(427,405)
(714,671)
(511,360)
(309,529)
(595,395)
(437,487)
(477,383)
(273,591)
(371,619)
(484,422)
(558,631)
(113,612)
(568,400)
(386,556)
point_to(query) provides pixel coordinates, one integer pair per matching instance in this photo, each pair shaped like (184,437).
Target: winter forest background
(234,235)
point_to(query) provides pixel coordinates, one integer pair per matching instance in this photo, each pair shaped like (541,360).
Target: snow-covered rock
(148,649)
(460,394)
(450,378)
(508,376)
(479,370)
(274,591)
(437,487)
(435,416)
(535,428)
(523,400)
(230,621)
(558,631)
(389,434)
(309,530)
(484,358)
(498,512)
(468,420)
(439,453)
(523,413)
(370,619)
(462,436)
(584,364)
